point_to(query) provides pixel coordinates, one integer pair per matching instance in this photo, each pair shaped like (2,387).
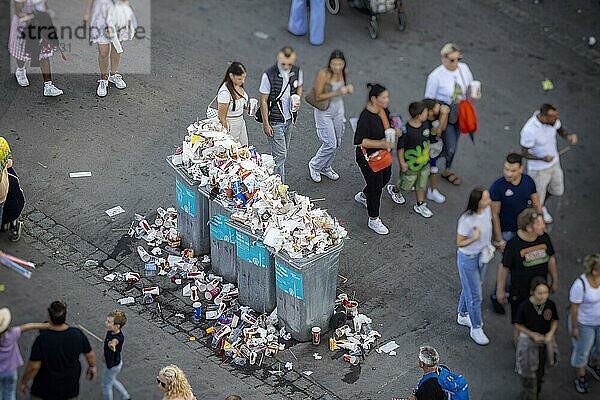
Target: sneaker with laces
(479,336)
(117,80)
(360,197)
(15,231)
(547,217)
(396,196)
(314,174)
(50,90)
(594,371)
(581,385)
(423,210)
(331,174)
(102,87)
(378,227)
(21,75)
(464,320)
(435,195)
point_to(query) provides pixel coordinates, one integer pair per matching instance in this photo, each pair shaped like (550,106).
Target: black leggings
(376,181)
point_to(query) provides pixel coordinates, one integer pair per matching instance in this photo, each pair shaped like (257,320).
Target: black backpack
(15,199)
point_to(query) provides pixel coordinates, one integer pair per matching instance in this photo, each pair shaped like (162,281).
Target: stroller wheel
(333,6)
(402,21)
(373,28)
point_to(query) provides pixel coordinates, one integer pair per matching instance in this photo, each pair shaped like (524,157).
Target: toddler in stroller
(373,8)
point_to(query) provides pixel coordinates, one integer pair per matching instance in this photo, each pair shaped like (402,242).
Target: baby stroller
(373,8)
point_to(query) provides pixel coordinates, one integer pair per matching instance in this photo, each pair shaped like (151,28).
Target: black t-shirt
(58,351)
(526,260)
(415,143)
(535,321)
(369,126)
(430,390)
(113,358)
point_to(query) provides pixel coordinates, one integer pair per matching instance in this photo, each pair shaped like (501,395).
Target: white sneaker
(435,195)
(117,80)
(21,75)
(50,90)
(479,336)
(434,170)
(464,321)
(378,226)
(314,174)
(360,197)
(102,87)
(547,217)
(396,196)
(331,174)
(423,210)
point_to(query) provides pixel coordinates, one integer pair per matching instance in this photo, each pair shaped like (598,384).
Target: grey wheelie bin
(192,211)
(222,241)
(306,290)
(255,270)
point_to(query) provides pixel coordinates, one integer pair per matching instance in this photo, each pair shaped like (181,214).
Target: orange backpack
(467,118)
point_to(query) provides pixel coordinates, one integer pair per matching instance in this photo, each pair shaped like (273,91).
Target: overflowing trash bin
(222,241)
(192,211)
(255,270)
(306,291)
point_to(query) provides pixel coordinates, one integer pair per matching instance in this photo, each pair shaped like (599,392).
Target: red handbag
(381,159)
(467,118)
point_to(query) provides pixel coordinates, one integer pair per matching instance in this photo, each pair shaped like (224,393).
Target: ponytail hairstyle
(235,68)
(375,90)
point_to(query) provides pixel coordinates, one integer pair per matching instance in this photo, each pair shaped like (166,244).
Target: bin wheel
(333,6)
(402,21)
(373,28)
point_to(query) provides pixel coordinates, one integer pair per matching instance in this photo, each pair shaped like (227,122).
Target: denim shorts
(589,338)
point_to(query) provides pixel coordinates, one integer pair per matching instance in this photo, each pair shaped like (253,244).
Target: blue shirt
(513,199)
(113,358)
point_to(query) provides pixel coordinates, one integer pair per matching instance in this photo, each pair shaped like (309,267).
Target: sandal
(452,178)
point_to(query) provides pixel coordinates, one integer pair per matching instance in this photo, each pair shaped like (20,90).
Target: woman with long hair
(173,384)
(474,242)
(232,100)
(330,85)
(370,137)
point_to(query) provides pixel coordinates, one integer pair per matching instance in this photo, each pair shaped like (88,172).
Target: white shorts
(550,180)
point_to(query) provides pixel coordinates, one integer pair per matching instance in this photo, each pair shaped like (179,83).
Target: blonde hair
(449,48)
(590,263)
(177,383)
(429,356)
(119,317)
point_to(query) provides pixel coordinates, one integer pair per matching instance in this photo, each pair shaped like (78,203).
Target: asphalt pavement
(407,281)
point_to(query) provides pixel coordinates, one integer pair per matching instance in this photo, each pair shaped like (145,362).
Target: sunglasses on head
(161,383)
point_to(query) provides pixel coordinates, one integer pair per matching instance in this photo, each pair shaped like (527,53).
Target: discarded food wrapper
(145,257)
(126,300)
(110,277)
(114,211)
(388,347)
(153,290)
(132,277)
(156,251)
(317,356)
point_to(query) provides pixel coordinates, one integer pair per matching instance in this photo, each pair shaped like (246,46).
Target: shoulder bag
(467,117)
(311,98)
(258,115)
(381,159)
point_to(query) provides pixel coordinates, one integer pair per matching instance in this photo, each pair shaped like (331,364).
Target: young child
(438,118)
(10,355)
(111,22)
(413,156)
(537,321)
(113,344)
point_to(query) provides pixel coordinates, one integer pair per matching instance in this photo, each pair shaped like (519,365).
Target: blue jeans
(450,139)
(109,380)
(280,144)
(587,342)
(471,278)
(8,385)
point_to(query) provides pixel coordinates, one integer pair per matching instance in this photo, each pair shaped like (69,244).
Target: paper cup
(252,106)
(390,135)
(475,89)
(295,102)
(316,335)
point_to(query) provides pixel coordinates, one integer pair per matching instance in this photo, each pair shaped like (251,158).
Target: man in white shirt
(539,146)
(278,84)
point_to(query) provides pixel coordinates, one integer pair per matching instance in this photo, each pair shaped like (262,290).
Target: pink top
(10,355)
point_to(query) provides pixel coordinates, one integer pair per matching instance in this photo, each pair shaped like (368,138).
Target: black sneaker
(581,385)
(15,231)
(595,371)
(498,308)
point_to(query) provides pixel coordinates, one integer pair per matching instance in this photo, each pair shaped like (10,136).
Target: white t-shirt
(265,88)
(589,303)
(540,139)
(441,81)
(483,221)
(224,97)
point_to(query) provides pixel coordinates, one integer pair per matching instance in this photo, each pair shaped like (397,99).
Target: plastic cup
(475,89)
(390,135)
(252,106)
(295,102)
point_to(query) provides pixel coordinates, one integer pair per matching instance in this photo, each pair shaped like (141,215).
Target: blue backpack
(454,385)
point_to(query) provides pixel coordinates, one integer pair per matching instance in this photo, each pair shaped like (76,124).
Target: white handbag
(212,112)
(487,254)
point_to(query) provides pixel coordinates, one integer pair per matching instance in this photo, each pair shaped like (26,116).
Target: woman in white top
(449,83)
(585,322)
(474,241)
(232,100)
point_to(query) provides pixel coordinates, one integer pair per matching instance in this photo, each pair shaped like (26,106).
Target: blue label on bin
(219,229)
(186,198)
(253,252)
(288,281)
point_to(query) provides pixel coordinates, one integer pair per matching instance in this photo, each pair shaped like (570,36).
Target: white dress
(111,12)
